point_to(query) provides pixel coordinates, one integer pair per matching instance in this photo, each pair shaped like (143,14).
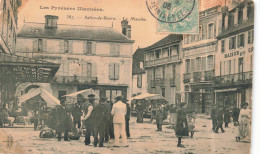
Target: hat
(245,104)
(118,97)
(103,98)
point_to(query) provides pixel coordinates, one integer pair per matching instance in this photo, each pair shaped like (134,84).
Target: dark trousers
(139,117)
(107,131)
(111,129)
(159,124)
(220,125)
(127,128)
(89,130)
(77,122)
(214,124)
(226,124)
(65,134)
(99,130)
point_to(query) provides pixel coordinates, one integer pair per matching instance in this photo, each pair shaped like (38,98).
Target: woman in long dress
(244,124)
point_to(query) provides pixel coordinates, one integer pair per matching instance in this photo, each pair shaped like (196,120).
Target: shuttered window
(66,46)
(222,46)
(250,37)
(232,42)
(113,71)
(240,41)
(88,48)
(89,70)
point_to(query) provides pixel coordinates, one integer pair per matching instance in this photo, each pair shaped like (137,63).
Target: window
(198,64)
(111,94)
(187,66)
(40,44)
(200,32)
(163,72)
(113,71)
(66,46)
(114,49)
(251,37)
(89,69)
(163,92)
(240,16)
(139,80)
(210,61)
(229,67)
(222,46)
(232,42)
(173,72)
(211,30)
(174,50)
(240,40)
(89,48)
(157,54)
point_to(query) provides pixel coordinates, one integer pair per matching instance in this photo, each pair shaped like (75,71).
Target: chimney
(51,21)
(126,29)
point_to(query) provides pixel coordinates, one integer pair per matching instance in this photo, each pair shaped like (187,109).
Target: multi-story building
(16,69)
(139,78)
(90,57)
(162,66)
(199,61)
(234,61)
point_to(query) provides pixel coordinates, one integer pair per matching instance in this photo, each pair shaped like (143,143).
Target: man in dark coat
(159,117)
(99,122)
(140,111)
(181,124)
(214,117)
(226,116)
(76,114)
(127,118)
(62,120)
(220,120)
(235,115)
(108,119)
(89,119)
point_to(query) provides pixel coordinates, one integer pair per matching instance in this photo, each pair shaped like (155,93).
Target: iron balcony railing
(162,60)
(209,75)
(235,79)
(75,80)
(186,78)
(197,76)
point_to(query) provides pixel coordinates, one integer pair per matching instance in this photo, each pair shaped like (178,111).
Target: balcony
(234,79)
(209,75)
(163,60)
(186,78)
(75,80)
(197,76)
(172,82)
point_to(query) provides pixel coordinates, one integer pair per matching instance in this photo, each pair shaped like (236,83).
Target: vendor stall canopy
(15,68)
(49,98)
(147,96)
(84,93)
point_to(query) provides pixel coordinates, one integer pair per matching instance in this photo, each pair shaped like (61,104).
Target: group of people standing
(105,120)
(241,118)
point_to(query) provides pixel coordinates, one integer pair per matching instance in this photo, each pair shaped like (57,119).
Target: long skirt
(244,129)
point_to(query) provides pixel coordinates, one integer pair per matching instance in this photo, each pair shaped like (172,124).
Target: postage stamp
(175,16)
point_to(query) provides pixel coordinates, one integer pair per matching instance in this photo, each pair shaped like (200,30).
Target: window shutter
(117,71)
(243,39)
(230,43)
(70,47)
(61,44)
(238,41)
(111,71)
(35,45)
(85,47)
(235,41)
(84,69)
(249,37)
(89,48)
(44,45)
(94,69)
(93,48)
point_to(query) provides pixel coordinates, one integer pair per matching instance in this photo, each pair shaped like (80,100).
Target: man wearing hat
(89,119)
(76,114)
(127,118)
(220,119)
(62,120)
(99,121)
(214,117)
(118,112)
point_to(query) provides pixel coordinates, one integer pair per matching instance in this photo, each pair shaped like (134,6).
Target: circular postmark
(170,11)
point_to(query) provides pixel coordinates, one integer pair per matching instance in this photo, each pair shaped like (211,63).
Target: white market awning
(85,93)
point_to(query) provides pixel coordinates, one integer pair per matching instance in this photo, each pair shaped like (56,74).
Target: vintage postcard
(126,76)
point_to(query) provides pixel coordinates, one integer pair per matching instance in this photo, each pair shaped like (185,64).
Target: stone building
(90,57)
(199,61)
(234,60)
(163,67)
(139,78)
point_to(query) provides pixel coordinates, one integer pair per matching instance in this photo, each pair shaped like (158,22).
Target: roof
(137,58)
(73,32)
(172,38)
(24,69)
(241,27)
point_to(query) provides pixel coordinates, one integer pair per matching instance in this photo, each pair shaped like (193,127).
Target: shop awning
(23,69)
(225,90)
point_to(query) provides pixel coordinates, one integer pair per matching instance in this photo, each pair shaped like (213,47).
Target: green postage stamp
(175,16)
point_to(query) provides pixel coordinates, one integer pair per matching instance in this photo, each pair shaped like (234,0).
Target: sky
(143,32)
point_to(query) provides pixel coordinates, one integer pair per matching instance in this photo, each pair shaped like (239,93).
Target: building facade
(234,69)
(139,78)
(90,57)
(163,66)
(199,61)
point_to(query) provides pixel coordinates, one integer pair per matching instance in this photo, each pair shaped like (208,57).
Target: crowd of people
(241,119)
(104,121)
